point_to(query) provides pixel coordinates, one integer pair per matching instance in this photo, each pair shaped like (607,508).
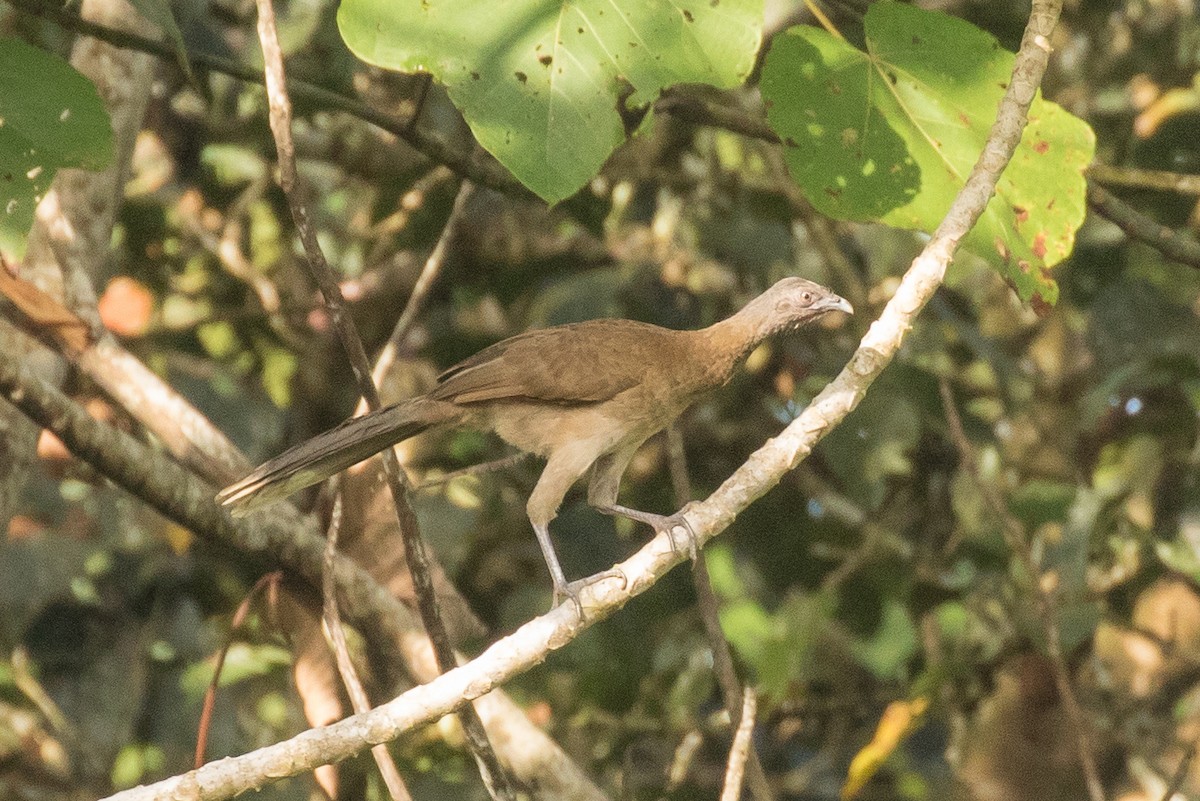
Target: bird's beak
(837,303)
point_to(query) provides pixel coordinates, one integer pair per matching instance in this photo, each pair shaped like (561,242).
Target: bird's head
(793,303)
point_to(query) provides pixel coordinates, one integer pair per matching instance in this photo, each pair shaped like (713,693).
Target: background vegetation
(880,599)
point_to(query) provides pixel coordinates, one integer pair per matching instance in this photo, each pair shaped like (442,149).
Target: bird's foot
(662,524)
(570,591)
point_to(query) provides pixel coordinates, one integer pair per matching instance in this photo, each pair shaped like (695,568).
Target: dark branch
(1172,244)
(416,556)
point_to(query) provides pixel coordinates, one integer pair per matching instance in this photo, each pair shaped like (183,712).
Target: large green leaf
(50,117)
(540,82)
(892,133)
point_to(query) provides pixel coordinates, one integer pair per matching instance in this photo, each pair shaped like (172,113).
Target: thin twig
(227,250)
(868,548)
(1175,245)
(681,760)
(710,615)
(823,20)
(429,274)
(474,470)
(426,80)
(337,642)
(740,749)
(1018,542)
(1138,178)
(412,200)
(694,108)
(820,233)
(1181,772)
(210,694)
(280,115)
(24,679)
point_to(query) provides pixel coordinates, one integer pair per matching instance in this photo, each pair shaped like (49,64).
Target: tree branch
(1138,178)
(336,635)
(735,770)
(1174,245)
(710,616)
(429,274)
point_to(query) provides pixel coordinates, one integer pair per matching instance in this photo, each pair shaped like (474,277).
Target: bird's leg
(602,495)
(561,471)
(562,588)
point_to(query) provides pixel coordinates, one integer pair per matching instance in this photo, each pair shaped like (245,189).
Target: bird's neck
(727,343)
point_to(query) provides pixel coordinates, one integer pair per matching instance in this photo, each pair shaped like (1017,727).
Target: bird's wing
(586,362)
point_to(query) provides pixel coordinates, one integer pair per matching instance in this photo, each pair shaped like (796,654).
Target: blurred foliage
(875,577)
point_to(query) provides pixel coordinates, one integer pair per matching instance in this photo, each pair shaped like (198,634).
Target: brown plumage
(584,396)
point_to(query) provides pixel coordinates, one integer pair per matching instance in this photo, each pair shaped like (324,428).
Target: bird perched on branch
(583,396)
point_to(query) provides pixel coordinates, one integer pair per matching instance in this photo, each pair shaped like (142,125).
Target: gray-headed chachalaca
(584,396)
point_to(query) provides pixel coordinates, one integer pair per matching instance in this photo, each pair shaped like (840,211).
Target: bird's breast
(542,429)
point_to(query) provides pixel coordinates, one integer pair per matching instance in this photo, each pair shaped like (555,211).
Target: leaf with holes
(542,82)
(50,117)
(891,135)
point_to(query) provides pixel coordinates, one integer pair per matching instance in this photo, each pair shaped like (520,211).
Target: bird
(583,396)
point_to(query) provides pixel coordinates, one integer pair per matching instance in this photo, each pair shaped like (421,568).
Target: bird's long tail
(329,453)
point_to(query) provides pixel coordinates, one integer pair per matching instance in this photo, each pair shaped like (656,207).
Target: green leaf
(791,654)
(1037,502)
(748,627)
(1077,623)
(778,647)
(540,82)
(722,570)
(243,662)
(134,762)
(891,135)
(1180,556)
(50,117)
(887,651)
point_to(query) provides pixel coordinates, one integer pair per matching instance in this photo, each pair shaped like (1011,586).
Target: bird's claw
(571,590)
(567,592)
(667,525)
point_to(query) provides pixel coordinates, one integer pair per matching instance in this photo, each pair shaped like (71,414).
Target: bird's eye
(806,297)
